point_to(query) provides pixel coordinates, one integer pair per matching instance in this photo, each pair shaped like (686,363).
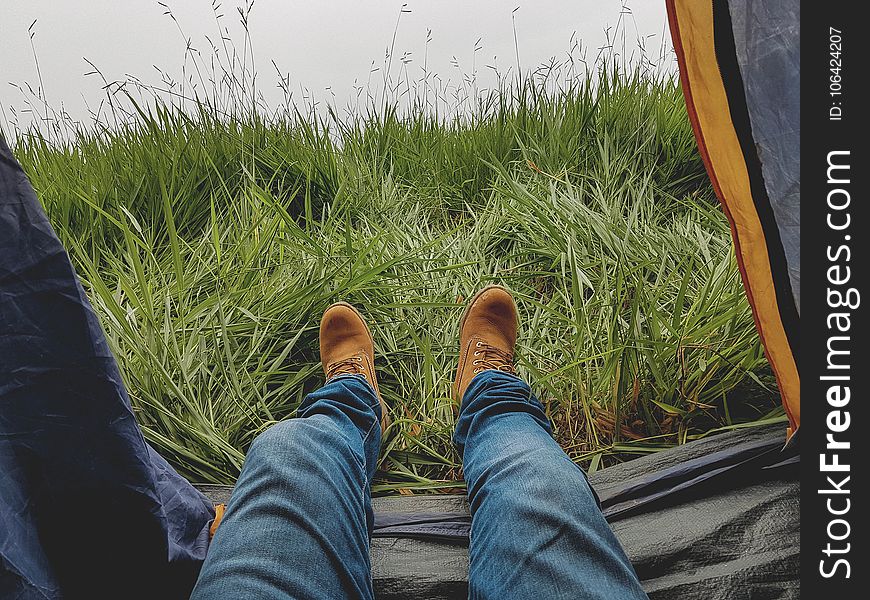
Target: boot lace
(348,366)
(489,357)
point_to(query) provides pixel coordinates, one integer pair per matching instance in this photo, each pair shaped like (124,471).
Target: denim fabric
(536,529)
(299,522)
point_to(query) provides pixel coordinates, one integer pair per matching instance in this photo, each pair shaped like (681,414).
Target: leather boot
(487,337)
(347,348)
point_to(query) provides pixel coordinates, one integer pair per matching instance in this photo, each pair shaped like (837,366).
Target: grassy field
(210,243)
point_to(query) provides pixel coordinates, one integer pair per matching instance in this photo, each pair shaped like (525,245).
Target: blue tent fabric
(87,508)
(767,47)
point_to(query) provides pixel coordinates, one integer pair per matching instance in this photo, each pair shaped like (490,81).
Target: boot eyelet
(477,353)
(478,371)
(476,362)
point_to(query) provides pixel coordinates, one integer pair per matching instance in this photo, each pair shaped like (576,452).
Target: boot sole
(385,415)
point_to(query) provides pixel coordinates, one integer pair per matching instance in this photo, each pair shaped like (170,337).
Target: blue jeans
(299,522)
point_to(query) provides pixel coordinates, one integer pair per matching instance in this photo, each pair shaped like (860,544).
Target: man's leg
(536,529)
(299,520)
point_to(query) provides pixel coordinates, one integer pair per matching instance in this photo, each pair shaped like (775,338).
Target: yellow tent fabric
(712,111)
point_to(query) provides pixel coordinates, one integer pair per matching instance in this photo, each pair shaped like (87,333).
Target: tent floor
(720,538)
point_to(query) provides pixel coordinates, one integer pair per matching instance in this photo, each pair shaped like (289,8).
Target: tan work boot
(347,348)
(487,336)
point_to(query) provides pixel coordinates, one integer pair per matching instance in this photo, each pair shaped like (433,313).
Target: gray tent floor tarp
(717,518)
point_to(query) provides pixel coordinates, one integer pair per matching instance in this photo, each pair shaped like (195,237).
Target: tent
(88,509)
(740,70)
(746,544)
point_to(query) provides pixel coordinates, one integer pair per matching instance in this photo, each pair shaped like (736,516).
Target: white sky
(324,46)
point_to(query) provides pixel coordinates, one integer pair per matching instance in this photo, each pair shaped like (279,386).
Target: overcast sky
(325,47)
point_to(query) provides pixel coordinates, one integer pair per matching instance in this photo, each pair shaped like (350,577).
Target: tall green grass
(210,241)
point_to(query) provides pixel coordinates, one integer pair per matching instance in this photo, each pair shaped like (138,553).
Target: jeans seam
(371,388)
(369,432)
(360,461)
(376,423)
